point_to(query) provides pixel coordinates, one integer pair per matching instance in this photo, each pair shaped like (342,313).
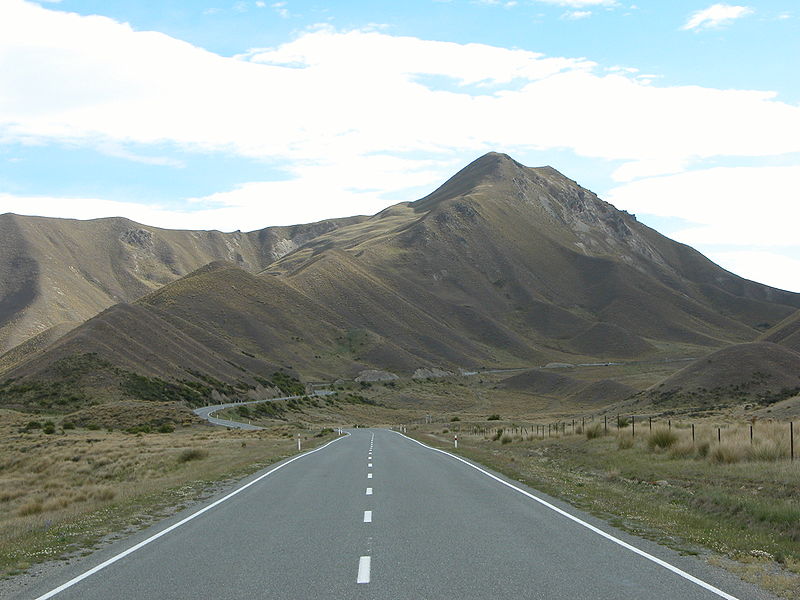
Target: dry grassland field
(62,492)
(718,495)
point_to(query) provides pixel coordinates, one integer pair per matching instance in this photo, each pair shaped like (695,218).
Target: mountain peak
(490,166)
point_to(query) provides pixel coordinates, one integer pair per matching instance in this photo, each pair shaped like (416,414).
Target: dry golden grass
(64,490)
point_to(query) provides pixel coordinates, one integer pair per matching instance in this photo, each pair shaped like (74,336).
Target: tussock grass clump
(506,439)
(729,453)
(683,450)
(192,454)
(770,451)
(625,442)
(663,439)
(594,431)
(34,507)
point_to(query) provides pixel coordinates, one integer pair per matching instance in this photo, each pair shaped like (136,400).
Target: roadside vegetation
(64,487)
(733,498)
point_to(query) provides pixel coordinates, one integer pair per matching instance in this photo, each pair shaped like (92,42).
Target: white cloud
(91,208)
(280,8)
(771,268)
(716,15)
(735,206)
(353,93)
(343,107)
(751,212)
(575,15)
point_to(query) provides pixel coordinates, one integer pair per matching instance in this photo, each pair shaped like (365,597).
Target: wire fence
(770,439)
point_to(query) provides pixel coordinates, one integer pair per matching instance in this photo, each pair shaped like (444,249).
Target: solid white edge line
(596,530)
(367,516)
(363,569)
(152,538)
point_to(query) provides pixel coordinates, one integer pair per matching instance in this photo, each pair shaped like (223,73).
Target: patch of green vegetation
(158,390)
(286,383)
(60,390)
(357,399)
(192,454)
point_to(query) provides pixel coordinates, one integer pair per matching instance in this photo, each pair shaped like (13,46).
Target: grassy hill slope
(55,271)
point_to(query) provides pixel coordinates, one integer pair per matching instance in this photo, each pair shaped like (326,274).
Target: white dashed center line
(369,475)
(363,569)
(369,491)
(367,516)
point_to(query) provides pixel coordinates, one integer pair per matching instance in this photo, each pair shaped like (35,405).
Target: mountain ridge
(501,265)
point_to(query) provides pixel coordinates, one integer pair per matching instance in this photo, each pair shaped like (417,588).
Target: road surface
(378,516)
(207,412)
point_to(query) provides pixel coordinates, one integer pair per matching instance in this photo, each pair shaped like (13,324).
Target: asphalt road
(207,412)
(378,516)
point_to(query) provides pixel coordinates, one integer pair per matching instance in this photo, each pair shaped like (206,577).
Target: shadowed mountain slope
(762,372)
(786,333)
(503,265)
(219,328)
(55,271)
(567,388)
(520,258)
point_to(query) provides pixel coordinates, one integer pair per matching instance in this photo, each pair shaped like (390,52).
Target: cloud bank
(358,116)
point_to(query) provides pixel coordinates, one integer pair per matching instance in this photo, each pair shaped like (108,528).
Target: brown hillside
(516,258)
(538,381)
(786,333)
(601,393)
(761,371)
(565,387)
(55,271)
(503,265)
(605,339)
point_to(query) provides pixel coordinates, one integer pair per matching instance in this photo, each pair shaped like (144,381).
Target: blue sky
(242,114)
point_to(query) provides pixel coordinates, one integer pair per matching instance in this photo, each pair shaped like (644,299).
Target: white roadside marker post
(456,440)
(298,442)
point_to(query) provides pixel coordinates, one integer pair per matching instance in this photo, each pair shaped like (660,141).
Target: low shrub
(703,448)
(506,439)
(624,442)
(33,507)
(493,418)
(769,450)
(192,454)
(663,439)
(682,450)
(729,453)
(594,431)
